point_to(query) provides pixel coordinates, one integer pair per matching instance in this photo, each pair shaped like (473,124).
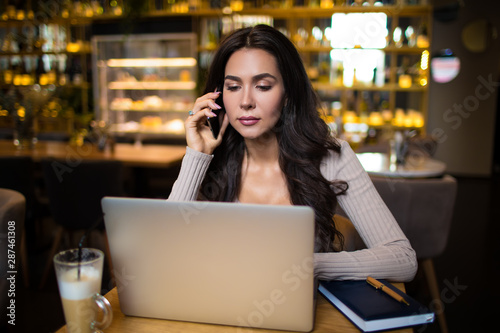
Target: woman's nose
(247,100)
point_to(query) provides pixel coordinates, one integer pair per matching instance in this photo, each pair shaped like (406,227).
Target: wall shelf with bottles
(43,48)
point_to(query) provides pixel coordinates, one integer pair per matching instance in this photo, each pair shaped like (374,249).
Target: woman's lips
(248,121)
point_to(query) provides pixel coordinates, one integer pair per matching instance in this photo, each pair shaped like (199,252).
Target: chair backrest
(17,173)
(75,190)
(12,210)
(423,209)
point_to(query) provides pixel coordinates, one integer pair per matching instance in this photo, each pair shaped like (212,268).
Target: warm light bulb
(375,119)
(236,5)
(405,81)
(424,60)
(349,117)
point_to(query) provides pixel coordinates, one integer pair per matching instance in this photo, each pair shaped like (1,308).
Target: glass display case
(144,85)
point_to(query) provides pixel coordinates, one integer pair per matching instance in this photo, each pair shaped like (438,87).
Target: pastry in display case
(144,84)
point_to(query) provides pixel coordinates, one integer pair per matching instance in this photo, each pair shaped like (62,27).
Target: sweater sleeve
(389,254)
(193,169)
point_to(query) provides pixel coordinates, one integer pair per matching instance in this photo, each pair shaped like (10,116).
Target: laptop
(234,264)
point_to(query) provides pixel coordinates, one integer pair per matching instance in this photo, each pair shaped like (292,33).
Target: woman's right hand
(198,135)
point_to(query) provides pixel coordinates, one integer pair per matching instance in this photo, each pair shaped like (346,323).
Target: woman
(273,148)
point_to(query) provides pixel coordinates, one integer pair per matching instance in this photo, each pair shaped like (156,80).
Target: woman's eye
(232,88)
(264,88)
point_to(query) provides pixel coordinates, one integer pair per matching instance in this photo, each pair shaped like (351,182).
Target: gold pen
(380,286)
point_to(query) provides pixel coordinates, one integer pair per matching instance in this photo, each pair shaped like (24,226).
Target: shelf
(68,85)
(405,49)
(327,49)
(40,53)
(141,135)
(387,87)
(156,85)
(148,110)
(162,132)
(312,48)
(299,11)
(152,62)
(293,12)
(52,20)
(387,49)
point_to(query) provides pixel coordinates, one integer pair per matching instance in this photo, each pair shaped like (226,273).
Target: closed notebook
(371,309)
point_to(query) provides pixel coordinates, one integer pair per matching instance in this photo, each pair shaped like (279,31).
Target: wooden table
(147,156)
(328,319)
(379,164)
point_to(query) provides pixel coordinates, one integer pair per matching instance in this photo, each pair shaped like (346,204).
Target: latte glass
(79,286)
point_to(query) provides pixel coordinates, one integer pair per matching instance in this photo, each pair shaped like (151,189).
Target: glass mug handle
(107,311)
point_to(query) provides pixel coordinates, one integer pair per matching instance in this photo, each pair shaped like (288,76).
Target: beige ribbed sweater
(389,254)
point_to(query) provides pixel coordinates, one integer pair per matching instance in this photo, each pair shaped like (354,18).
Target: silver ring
(191,112)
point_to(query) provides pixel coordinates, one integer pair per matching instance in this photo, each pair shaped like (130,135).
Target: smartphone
(215,123)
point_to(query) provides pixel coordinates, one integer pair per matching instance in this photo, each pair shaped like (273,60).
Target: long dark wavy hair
(303,137)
